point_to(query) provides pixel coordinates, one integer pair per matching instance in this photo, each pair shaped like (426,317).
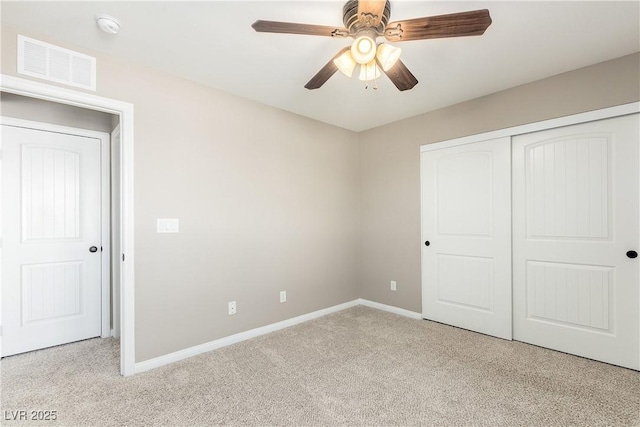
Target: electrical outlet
(283,296)
(393,285)
(232,307)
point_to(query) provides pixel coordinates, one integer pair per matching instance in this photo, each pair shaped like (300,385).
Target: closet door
(575,230)
(466,235)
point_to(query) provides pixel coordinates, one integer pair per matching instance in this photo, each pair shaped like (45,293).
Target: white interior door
(575,218)
(51,281)
(466,217)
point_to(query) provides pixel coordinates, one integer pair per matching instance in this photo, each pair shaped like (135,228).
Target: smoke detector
(108,24)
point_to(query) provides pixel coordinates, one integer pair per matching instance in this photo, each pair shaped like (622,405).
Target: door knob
(632,254)
(93,249)
(427,243)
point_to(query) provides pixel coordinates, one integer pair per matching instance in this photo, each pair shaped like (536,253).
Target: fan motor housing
(352,20)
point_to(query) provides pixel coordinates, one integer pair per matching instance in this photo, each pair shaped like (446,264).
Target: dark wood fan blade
(293,28)
(370,12)
(325,73)
(400,75)
(473,23)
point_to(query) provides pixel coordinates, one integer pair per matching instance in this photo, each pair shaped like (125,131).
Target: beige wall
(22,107)
(267,201)
(390,163)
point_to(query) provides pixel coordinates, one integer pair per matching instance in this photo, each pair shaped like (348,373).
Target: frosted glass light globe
(363,49)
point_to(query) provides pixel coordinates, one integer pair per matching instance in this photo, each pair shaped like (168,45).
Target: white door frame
(124,110)
(589,116)
(115,231)
(105,202)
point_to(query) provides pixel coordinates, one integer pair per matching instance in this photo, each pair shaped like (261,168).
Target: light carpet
(360,366)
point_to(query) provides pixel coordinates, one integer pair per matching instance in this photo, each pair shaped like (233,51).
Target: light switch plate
(168,225)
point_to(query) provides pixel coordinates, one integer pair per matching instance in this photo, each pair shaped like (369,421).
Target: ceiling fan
(365,21)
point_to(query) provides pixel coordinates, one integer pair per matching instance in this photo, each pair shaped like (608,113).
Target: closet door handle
(427,243)
(632,254)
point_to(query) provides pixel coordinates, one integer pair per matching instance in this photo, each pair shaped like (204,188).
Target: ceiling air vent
(56,64)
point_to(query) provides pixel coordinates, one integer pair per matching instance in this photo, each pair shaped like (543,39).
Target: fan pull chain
(375,79)
(366,77)
(375,83)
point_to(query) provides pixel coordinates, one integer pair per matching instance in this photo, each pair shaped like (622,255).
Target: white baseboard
(390,308)
(233,339)
(242,336)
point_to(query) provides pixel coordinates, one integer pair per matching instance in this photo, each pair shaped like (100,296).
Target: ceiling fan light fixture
(363,49)
(345,63)
(369,71)
(366,21)
(388,55)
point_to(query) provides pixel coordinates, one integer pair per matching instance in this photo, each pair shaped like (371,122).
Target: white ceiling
(213,43)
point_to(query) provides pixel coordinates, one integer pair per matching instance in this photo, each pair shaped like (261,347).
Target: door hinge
(101,249)
(122,257)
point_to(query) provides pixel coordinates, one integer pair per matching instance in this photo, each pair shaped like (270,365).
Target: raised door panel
(574,295)
(568,181)
(50,193)
(51,291)
(465,281)
(463,209)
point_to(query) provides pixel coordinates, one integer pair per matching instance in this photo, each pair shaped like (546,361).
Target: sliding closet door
(575,230)
(466,234)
